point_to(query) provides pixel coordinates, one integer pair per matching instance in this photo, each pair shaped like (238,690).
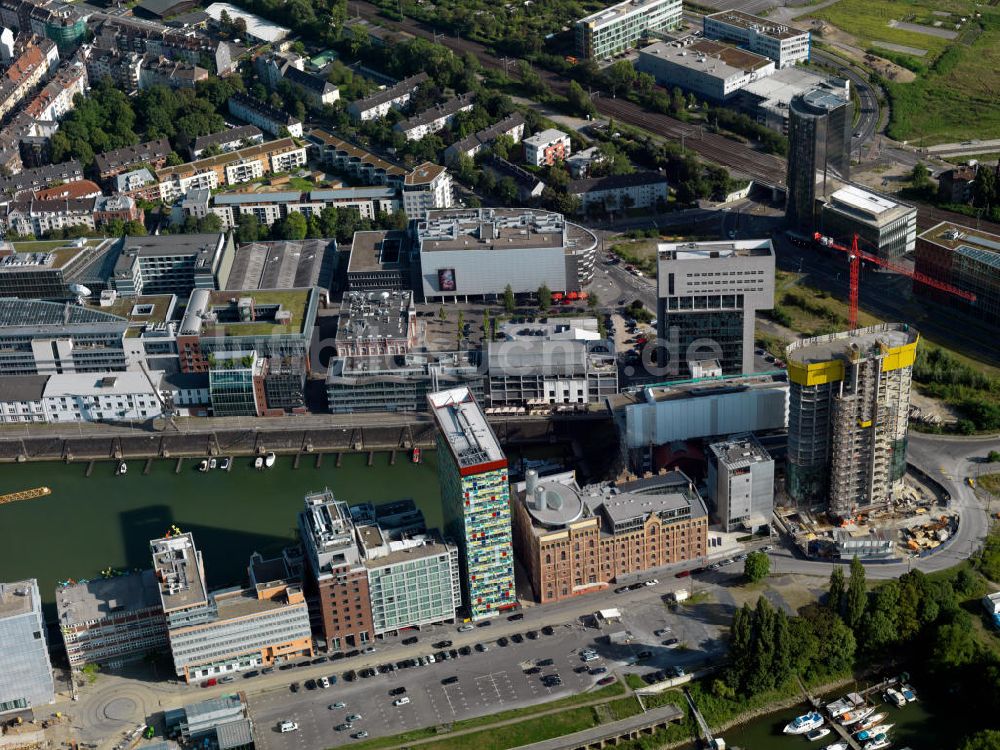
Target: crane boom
(856,255)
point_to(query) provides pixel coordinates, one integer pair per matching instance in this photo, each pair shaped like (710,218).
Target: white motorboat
(212,464)
(805,723)
(837,746)
(842,706)
(870,722)
(878,743)
(258,463)
(908,692)
(870,734)
(895,697)
(203,465)
(817,734)
(269,460)
(853,717)
(122,469)
(224,464)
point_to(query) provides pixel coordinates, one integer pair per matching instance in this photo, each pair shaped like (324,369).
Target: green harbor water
(914,726)
(90,523)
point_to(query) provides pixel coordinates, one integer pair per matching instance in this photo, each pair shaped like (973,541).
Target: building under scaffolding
(847,421)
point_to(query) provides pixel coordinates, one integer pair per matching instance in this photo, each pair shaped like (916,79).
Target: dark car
(344,727)
(465,651)
(294,687)
(671,642)
(350,675)
(283,667)
(544,663)
(397,691)
(644,655)
(310,684)
(682,574)
(454,653)
(442,644)
(367,672)
(597,670)
(484,624)
(548,630)
(606,680)
(267,670)
(622,590)
(320,660)
(533,670)
(248,675)
(516,617)
(532,634)
(449,680)
(440,656)
(481,648)
(581,669)
(517,638)
(338,655)
(403,664)
(352,654)
(410,641)
(502,641)
(304,664)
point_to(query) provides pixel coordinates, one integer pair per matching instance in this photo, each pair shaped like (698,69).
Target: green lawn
(868,20)
(990,483)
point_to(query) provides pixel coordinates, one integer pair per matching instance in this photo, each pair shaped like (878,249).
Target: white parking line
(450,704)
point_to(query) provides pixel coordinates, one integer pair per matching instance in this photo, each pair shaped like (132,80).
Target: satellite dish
(80,290)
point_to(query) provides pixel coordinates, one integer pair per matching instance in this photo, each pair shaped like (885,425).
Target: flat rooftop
(490,229)
(709,251)
(823,100)
(18,257)
(202,246)
(244,602)
(720,60)
(982,247)
(618,11)
(545,137)
(739,451)
(18,598)
(378,251)
(399,551)
(786,83)
(465,429)
(142,311)
(375,315)
(178,571)
(667,494)
(868,205)
(105,597)
(424,174)
(700,388)
(286,264)
(847,344)
(756,23)
(275,312)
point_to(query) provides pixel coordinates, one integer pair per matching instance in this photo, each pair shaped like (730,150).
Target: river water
(90,523)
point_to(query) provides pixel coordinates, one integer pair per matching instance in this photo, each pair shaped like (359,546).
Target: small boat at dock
(870,734)
(837,746)
(212,464)
(908,693)
(878,743)
(871,721)
(258,463)
(203,465)
(843,705)
(269,460)
(817,734)
(853,717)
(416,456)
(224,463)
(122,469)
(895,697)
(804,723)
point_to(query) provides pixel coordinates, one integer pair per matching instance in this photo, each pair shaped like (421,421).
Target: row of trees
(340,223)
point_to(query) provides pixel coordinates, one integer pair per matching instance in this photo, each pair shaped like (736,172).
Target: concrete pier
(90,469)
(147,467)
(177,466)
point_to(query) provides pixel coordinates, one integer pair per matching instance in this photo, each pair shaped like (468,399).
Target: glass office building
(25,669)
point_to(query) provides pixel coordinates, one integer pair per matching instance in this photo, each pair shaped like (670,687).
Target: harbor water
(91,523)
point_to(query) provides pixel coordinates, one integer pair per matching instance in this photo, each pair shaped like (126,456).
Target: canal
(90,523)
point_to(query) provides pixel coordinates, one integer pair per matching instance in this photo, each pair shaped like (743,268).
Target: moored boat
(203,465)
(871,721)
(224,463)
(269,460)
(258,463)
(908,692)
(853,717)
(817,734)
(804,723)
(416,455)
(843,705)
(895,697)
(870,734)
(837,746)
(877,743)
(213,463)
(122,469)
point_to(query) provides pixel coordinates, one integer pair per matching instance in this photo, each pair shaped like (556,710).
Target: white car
(650,582)
(323,682)
(288,726)
(401,701)
(430,658)
(466,628)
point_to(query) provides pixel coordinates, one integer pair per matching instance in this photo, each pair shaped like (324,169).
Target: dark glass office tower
(819,148)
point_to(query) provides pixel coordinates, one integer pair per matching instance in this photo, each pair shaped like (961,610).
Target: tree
(578,100)
(857,595)
(756,566)
(507,191)
(835,596)
(442,315)
(954,645)
(593,300)
(487,325)
(293,227)
(544,297)
(460,326)
(508,300)
(987,739)
(247,228)
(985,191)
(920,176)
(993,457)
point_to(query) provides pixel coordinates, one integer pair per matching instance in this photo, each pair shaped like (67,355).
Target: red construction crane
(856,255)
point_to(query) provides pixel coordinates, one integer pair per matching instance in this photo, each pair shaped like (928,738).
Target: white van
(288,726)
(401,701)
(323,682)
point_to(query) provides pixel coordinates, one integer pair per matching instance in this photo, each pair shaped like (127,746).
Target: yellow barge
(31,494)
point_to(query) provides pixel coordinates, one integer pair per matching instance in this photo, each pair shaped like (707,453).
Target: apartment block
(574,541)
(427,187)
(436,118)
(230,139)
(741,482)
(152,153)
(783,44)
(641,189)
(378,104)
(111,621)
(475,494)
(512,125)
(618,27)
(25,670)
(708,295)
(966,258)
(269,119)
(546,148)
(847,421)
(353,161)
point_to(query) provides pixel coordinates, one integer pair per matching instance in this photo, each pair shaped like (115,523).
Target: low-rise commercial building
(741,482)
(619,27)
(479,252)
(575,541)
(120,397)
(264,116)
(966,258)
(711,70)
(885,226)
(783,44)
(767,100)
(427,187)
(379,260)
(171,264)
(645,190)
(555,361)
(222,722)
(283,264)
(378,104)
(376,324)
(432,120)
(25,669)
(111,621)
(546,148)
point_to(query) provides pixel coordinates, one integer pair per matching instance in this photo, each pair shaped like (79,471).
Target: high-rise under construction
(848,408)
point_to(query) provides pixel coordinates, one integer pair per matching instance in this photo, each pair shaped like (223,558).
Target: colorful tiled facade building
(475,494)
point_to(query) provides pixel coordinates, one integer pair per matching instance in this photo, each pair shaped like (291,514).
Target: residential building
(546,148)
(619,192)
(554,361)
(478,252)
(123,68)
(475,496)
(41,338)
(708,296)
(768,99)
(283,264)
(111,621)
(819,150)
(399,383)
(231,139)
(413,578)
(22,399)
(618,27)
(966,258)
(347,158)
(512,125)
(336,578)
(427,187)
(955,184)
(574,541)
(379,260)
(95,397)
(35,217)
(70,191)
(376,324)
(783,44)
(171,264)
(847,421)
(138,183)
(709,69)
(580,163)
(272,66)
(741,482)
(32,180)
(377,105)
(436,118)
(23,75)
(55,100)
(222,722)
(885,226)
(316,90)
(269,207)
(25,670)
(529,187)
(174,74)
(264,116)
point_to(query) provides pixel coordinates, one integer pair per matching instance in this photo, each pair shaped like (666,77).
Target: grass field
(957,97)
(990,483)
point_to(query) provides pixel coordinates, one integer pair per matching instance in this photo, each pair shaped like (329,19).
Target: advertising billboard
(446,280)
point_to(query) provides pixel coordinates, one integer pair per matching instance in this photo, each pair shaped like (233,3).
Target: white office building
(711,70)
(741,482)
(25,669)
(885,226)
(783,44)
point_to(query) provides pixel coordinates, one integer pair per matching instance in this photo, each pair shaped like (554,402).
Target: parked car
(227,678)
(323,682)
(661,632)
(598,670)
(338,704)
(442,644)
(515,617)
(449,680)
(548,630)
(671,643)
(360,735)
(210,682)
(401,701)
(397,691)
(410,641)
(644,655)
(465,650)
(606,680)
(354,717)
(294,687)
(502,641)
(466,628)
(517,638)
(288,726)
(344,727)
(544,663)
(482,648)
(532,634)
